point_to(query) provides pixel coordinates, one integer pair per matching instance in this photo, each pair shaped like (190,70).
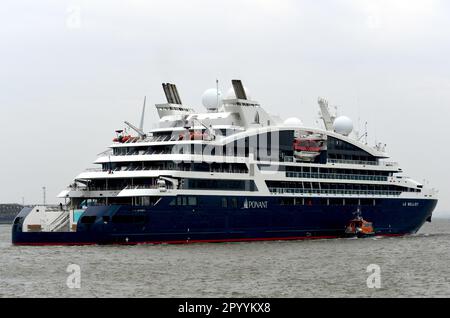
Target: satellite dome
(293,122)
(210,100)
(232,95)
(343,125)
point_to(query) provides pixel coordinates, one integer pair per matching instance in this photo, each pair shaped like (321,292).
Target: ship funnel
(171,92)
(239,89)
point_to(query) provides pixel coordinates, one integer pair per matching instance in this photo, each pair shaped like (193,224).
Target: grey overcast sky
(72,71)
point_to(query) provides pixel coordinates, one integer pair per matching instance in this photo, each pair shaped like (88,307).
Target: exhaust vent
(171,92)
(239,89)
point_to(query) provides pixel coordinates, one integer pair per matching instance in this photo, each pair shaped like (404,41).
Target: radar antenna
(365,135)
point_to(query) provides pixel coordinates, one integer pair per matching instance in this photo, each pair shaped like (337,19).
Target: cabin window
(184,201)
(192,201)
(336,202)
(349,201)
(229,185)
(224,203)
(287,201)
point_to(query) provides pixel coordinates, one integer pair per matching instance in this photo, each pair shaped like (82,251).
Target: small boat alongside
(358,227)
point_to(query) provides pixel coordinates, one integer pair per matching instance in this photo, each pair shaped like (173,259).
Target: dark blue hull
(208,220)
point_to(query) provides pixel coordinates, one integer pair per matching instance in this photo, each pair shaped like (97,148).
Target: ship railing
(105,153)
(94,170)
(238,171)
(144,152)
(334,191)
(143,187)
(91,188)
(147,186)
(354,162)
(336,176)
(389,163)
(364,163)
(160,138)
(150,168)
(55,208)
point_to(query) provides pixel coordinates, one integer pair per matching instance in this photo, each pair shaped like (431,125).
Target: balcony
(363,163)
(336,176)
(334,192)
(186,169)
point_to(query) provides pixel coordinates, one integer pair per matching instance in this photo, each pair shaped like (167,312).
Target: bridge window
(230,185)
(184,201)
(342,150)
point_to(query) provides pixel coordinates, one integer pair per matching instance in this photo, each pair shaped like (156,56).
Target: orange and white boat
(359,227)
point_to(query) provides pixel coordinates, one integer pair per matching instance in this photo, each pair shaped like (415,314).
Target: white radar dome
(293,122)
(212,98)
(343,125)
(232,95)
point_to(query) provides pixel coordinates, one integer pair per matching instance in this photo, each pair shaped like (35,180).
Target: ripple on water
(411,266)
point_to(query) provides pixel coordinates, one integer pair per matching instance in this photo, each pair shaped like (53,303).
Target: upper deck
(240,143)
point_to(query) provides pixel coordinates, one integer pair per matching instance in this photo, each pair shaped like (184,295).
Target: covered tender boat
(359,227)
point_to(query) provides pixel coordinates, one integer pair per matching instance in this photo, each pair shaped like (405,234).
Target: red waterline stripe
(231,240)
(55,244)
(391,235)
(294,238)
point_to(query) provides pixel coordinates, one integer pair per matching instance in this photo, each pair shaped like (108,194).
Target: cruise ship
(230,173)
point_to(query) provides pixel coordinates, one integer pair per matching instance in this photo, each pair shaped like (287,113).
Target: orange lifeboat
(358,227)
(192,136)
(196,135)
(307,148)
(121,138)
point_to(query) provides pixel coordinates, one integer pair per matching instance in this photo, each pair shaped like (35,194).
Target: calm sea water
(414,266)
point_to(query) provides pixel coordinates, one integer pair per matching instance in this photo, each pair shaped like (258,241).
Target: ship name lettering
(256,204)
(411,204)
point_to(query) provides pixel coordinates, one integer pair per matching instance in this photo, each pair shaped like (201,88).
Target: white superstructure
(238,141)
